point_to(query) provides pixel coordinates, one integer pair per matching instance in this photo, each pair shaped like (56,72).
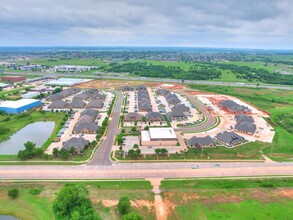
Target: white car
(194,167)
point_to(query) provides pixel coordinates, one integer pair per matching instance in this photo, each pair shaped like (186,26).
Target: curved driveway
(211,119)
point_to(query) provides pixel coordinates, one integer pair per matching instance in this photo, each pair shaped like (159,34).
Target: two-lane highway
(102,155)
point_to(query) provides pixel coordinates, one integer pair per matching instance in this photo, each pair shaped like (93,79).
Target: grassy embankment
(276,102)
(103,194)
(229,199)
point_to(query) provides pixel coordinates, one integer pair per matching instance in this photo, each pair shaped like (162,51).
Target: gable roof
(81,96)
(154,116)
(145,106)
(163,92)
(58,104)
(176,114)
(201,141)
(95,103)
(126,88)
(84,124)
(244,118)
(141,87)
(76,104)
(233,106)
(246,127)
(91,112)
(132,116)
(180,108)
(54,97)
(230,138)
(78,144)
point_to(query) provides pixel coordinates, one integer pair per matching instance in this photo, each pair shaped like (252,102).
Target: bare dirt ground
(114,84)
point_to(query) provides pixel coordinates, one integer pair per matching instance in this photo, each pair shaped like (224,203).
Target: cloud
(225,23)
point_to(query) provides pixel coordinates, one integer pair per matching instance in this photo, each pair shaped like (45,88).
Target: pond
(37,132)
(8,217)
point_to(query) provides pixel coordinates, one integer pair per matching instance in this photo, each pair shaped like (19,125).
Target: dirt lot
(110,84)
(114,84)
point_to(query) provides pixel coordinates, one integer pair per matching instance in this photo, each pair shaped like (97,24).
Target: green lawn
(226,183)
(244,210)
(244,199)
(13,91)
(103,194)
(275,102)
(27,206)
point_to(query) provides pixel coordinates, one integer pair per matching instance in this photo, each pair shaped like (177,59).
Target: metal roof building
(22,105)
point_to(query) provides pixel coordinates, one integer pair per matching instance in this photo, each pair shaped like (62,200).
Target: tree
(146,128)
(64,154)
(158,151)
(164,151)
(135,123)
(123,130)
(119,138)
(98,137)
(135,146)
(55,152)
(132,216)
(124,205)
(72,202)
(57,90)
(133,129)
(72,150)
(13,193)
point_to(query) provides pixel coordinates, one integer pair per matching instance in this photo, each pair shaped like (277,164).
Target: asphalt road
(145,170)
(165,80)
(101,156)
(211,119)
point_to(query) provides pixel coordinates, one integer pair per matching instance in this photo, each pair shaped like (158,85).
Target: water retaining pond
(8,217)
(37,132)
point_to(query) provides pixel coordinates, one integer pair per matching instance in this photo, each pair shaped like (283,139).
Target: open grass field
(103,194)
(229,199)
(275,102)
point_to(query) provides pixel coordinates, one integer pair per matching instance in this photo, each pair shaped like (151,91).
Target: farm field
(275,102)
(103,194)
(229,199)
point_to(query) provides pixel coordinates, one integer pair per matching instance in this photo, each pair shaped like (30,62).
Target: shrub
(124,205)
(13,193)
(132,216)
(35,191)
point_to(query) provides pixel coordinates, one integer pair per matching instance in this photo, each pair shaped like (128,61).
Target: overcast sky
(195,23)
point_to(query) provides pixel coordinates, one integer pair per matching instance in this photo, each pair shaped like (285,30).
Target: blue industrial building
(22,105)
